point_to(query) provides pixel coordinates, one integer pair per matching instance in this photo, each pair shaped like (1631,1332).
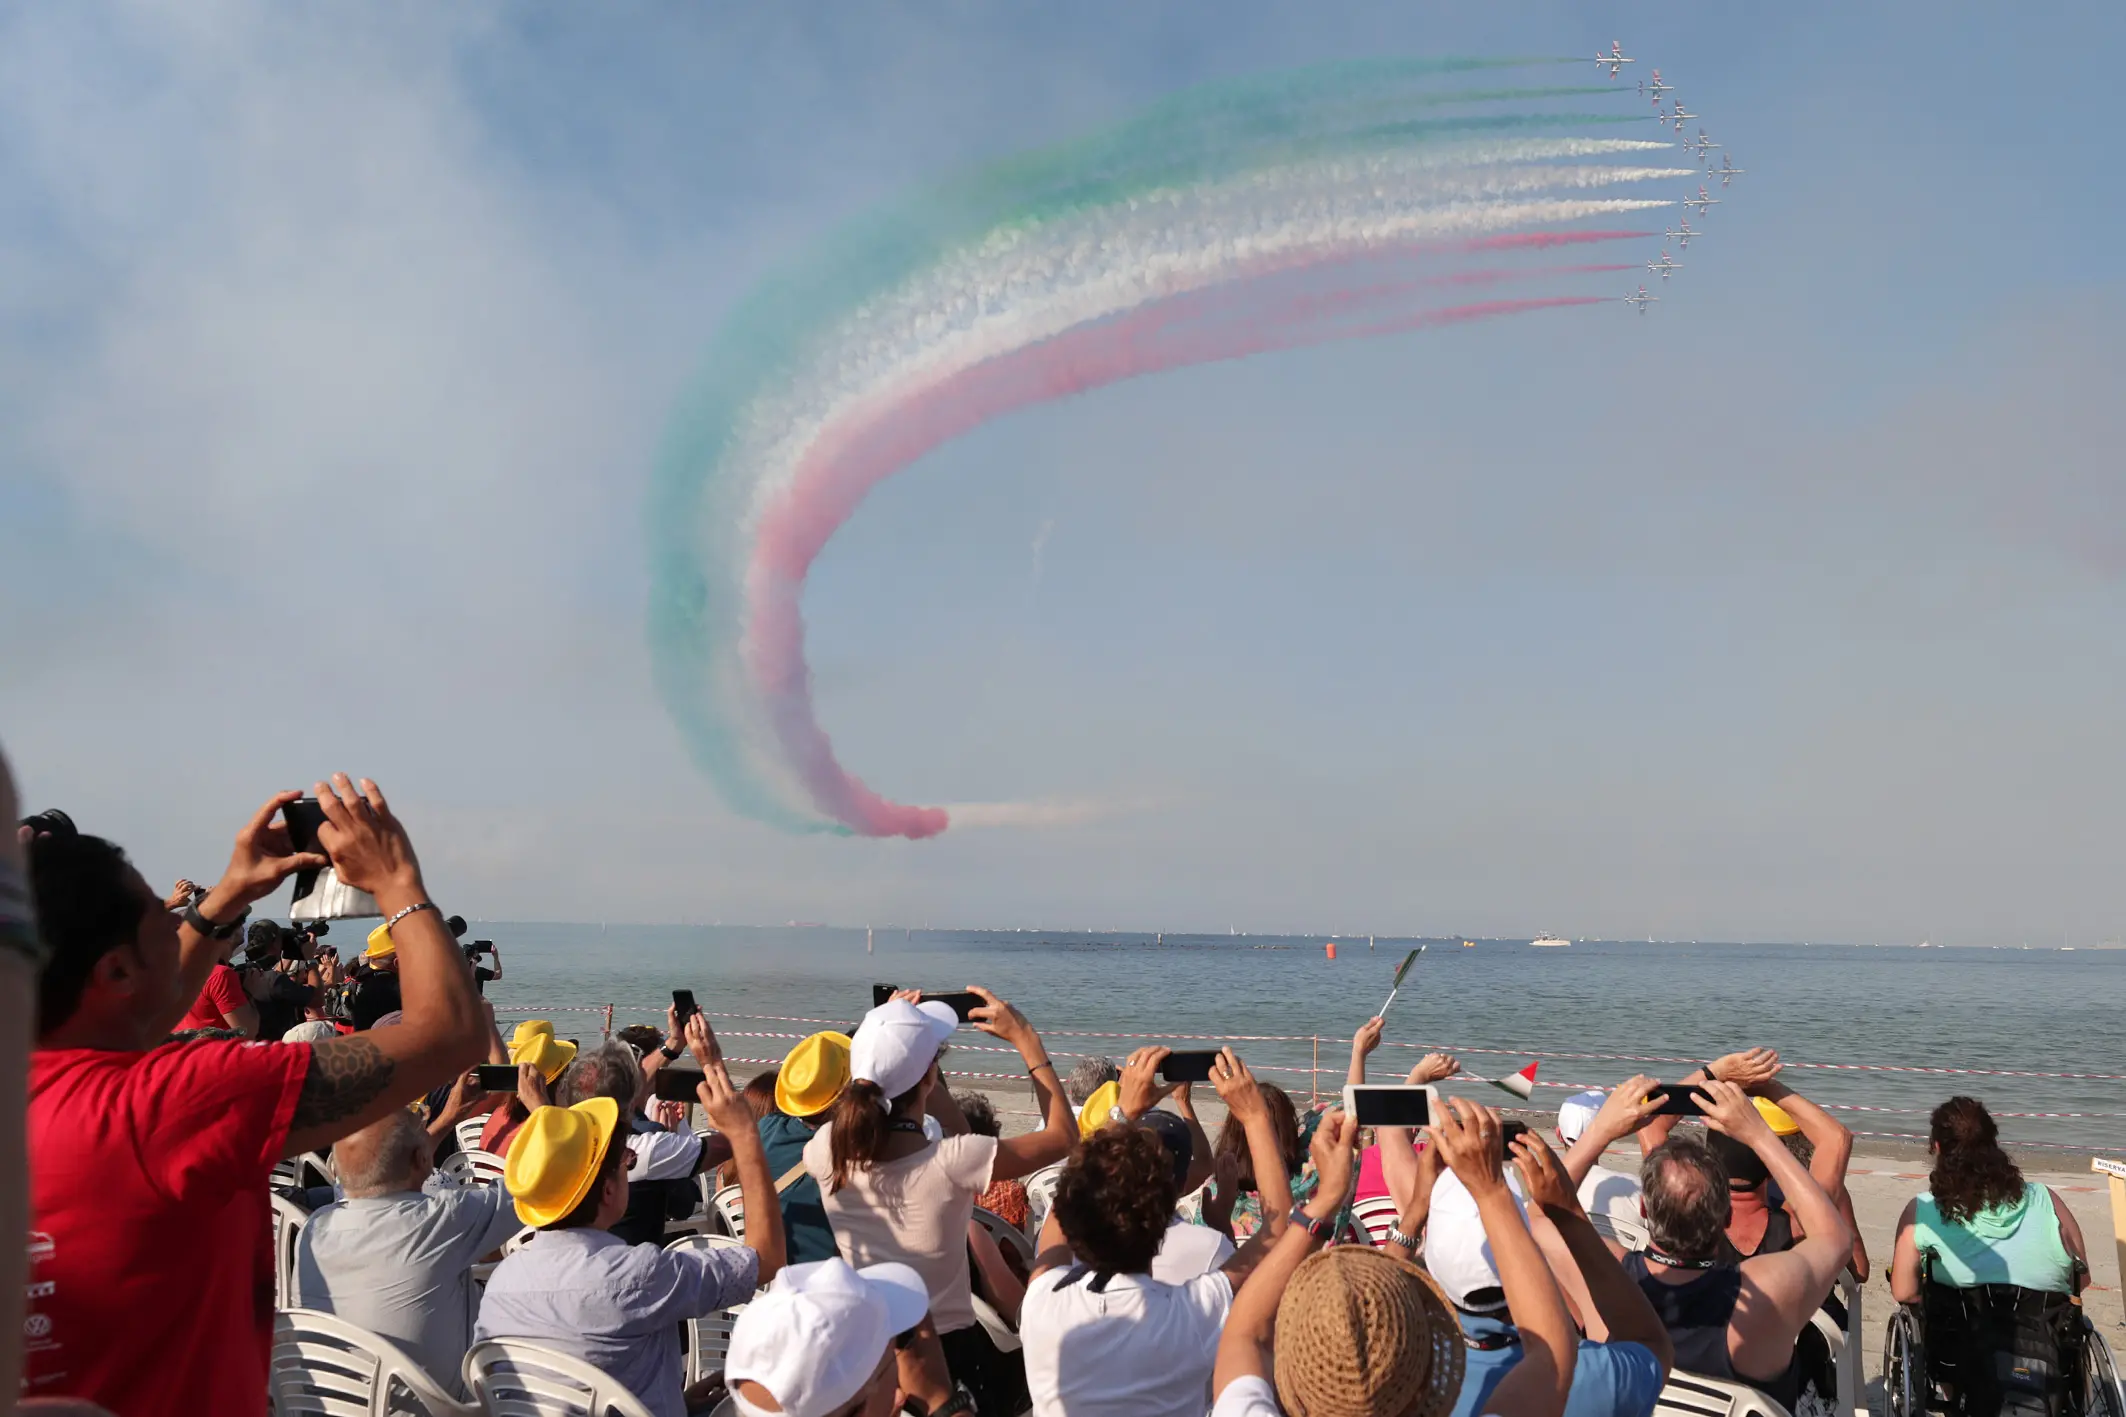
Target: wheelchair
(1994,1350)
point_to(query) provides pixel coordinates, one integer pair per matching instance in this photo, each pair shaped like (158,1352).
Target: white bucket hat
(1576,1113)
(814,1337)
(1456,1249)
(897,1042)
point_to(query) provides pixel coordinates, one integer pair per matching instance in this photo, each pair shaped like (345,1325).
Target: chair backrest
(324,1366)
(1629,1233)
(1041,1193)
(288,1222)
(708,1338)
(469,1132)
(1007,1235)
(518,1241)
(1689,1395)
(1846,1345)
(512,1378)
(486,1166)
(1376,1215)
(731,1209)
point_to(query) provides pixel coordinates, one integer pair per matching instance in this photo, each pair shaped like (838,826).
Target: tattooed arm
(354,1081)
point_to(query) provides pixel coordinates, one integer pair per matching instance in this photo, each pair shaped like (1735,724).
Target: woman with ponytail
(894,1195)
(1980,1222)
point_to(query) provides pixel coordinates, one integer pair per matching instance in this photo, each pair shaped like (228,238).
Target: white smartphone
(1388,1105)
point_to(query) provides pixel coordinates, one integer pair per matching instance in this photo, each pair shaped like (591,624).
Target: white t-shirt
(1189,1250)
(662,1156)
(1249,1396)
(1139,1348)
(913,1211)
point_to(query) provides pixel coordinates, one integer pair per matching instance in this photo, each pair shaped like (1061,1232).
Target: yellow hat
(1096,1113)
(530,1027)
(554,1158)
(1776,1118)
(545,1052)
(813,1075)
(380,943)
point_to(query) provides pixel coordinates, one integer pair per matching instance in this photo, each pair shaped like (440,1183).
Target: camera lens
(51,822)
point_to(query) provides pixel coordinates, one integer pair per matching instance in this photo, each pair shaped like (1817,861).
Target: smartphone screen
(1677,1100)
(962,1005)
(1192,1066)
(683,1005)
(496,1077)
(1508,1130)
(1388,1106)
(676,1084)
(303,817)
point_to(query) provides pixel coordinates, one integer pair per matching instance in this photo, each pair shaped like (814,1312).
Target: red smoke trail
(848,459)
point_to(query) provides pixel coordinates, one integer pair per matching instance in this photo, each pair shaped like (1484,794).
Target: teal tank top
(2018,1243)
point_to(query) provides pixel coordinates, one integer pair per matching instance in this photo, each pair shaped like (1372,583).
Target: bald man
(396,1255)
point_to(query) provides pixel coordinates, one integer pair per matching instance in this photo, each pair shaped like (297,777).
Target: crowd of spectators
(898,1251)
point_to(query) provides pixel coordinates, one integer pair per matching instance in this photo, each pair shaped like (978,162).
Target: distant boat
(1550,942)
(1468,944)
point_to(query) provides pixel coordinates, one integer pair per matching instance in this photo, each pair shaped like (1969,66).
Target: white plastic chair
(518,1241)
(512,1378)
(1001,1333)
(1376,1215)
(288,1222)
(469,1132)
(1007,1235)
(708,1338)
(1689,1395)
(1845,1344)
(1040,1195)
(1629,1233)
(473,1167)
(324,1366)
(731,1209)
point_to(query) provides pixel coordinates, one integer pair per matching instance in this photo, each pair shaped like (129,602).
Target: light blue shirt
(401,1266)
(1608,1379)
(616,1306)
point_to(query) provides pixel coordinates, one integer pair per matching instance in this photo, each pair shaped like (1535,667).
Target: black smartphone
(684,1006)
(1192,1066)
(962,1005)
(676,1084)
(496,1077)
(303,817)
(1384,1105)
(1677,1100)
(1508,1130)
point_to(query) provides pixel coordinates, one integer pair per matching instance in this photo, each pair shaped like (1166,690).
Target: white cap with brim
(897,1042)
(1456,1249)
(814,1337)
(1576,1113)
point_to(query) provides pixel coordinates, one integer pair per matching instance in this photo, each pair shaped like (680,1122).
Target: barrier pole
(608,1020)
(1314,1075)
(2115,1172)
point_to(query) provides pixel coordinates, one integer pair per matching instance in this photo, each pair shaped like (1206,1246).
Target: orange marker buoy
(1331,948)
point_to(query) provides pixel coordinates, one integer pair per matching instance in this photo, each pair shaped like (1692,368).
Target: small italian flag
(1520,1084)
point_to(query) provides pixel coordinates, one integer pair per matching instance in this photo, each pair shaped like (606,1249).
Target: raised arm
(1243,1098)
(1468,1137)
(1020,1156)
(1623,1307)
(1244,1349)
(1793,1282)
(355,1080)
(728,1113)
(1363,1043)
(1624,1111)
(1830,1140)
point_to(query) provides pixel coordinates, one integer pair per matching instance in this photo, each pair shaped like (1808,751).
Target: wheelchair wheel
(2101,1393)
(1904,1365)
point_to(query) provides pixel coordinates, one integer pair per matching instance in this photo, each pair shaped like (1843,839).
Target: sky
(336,343)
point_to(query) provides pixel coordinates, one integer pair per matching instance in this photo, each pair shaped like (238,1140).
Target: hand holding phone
(1191,1066)
(962,1005)
(1388,1105)
(495,1077)
(676,1084)
(683,1006)
(1676,1100)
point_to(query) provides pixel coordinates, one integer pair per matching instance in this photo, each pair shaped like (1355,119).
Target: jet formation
(1655,89)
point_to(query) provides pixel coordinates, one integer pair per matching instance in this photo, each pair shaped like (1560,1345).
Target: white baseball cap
(1575,1114)
(814,1337)
(897,1042)
(1456,1249)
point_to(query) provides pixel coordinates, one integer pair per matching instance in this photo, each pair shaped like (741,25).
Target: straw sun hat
(1361,1333)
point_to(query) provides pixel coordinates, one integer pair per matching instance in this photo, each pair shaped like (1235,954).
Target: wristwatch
(671,1054)
(1317,1229)
(1116,1114)
(207,927)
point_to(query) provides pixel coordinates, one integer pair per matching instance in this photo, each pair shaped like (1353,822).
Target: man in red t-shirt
(223,1003)
(151,1267)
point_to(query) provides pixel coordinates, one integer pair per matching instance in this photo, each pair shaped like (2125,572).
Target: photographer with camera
(223,1001)
(475,952)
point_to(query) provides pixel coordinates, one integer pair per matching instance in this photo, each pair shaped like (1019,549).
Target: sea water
(1498,1005)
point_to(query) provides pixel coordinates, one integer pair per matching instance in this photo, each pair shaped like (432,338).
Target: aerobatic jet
(1703,147)
(1642,299)
(1702,201)
(1655,89)
(1666,264)
(1614,59)
(1727,169)
(1682,237)
(1680,116)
